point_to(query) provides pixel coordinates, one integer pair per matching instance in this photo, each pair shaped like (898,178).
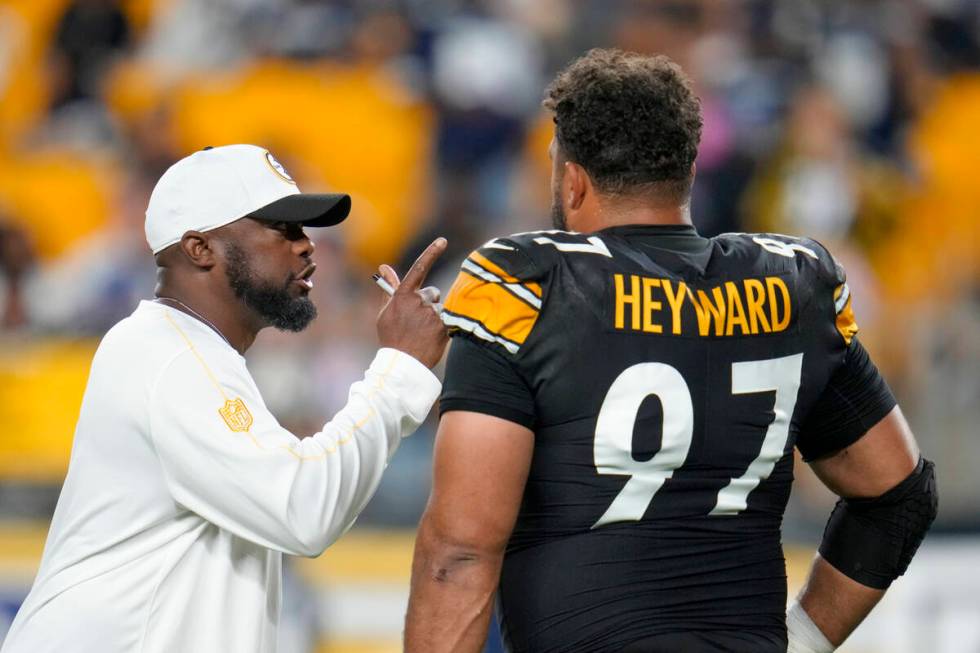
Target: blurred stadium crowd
(852,122)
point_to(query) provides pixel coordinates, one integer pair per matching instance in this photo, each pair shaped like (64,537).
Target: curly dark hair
(632,121)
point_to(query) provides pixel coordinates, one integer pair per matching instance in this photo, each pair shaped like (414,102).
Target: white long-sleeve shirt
(183,492)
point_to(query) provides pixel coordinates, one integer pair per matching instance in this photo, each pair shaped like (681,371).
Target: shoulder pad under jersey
(816,261)
(498,293)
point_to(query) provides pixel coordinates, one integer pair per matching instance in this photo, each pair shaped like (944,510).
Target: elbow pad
(872,541)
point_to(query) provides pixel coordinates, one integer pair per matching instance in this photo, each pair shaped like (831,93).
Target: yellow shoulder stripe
(846,323)
(492,308)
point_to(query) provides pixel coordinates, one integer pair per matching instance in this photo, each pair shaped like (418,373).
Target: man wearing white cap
(183,491)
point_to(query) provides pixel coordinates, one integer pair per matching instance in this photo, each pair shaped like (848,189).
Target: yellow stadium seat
(41,387)
(57,197)
(935,252)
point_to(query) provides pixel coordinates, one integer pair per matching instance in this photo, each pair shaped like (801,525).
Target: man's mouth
(303,278)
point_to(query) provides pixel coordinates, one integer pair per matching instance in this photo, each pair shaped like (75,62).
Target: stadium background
(857,123)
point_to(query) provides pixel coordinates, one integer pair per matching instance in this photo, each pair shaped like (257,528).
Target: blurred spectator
(483,108)
(667,27)
(152,147)
(89,34)
(820,183)
(187,36)
(16,258)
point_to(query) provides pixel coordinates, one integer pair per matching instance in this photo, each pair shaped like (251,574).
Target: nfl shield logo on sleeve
(236,415)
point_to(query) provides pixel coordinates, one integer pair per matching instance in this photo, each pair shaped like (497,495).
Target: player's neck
(628,213)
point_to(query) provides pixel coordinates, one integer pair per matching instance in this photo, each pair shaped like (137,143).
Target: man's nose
(304,246)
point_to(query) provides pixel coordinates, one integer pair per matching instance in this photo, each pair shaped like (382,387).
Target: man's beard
(558,214)
(274,304)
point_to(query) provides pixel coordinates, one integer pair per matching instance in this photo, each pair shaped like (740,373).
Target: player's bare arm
(884,459)
(480,468)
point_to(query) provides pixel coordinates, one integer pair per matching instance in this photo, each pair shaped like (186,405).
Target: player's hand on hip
(410,320)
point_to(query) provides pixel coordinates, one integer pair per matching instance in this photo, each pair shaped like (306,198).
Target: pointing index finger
(416,275)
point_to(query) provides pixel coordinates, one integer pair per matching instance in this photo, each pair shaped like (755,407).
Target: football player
(621,404)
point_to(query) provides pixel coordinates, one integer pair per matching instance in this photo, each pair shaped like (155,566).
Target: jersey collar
(681,237)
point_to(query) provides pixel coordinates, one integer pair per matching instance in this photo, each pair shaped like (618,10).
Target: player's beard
(273,303)
(558,220)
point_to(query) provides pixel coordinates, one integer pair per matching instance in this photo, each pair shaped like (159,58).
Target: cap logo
(277,168)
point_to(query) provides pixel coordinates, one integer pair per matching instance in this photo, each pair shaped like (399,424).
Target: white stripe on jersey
(516,288)
(477,329)
(494,244)
(841,302)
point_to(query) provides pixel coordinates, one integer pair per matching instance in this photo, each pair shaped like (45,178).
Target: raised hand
(409,320)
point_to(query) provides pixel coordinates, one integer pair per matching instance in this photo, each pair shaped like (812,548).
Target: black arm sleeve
(855,399)
(482,380)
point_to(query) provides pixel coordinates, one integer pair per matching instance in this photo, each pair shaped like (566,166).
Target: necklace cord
(190,311)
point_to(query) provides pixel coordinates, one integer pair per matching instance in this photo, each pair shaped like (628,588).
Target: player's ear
(576,186)
(198,247)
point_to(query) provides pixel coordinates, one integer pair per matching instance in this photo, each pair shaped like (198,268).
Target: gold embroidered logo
(236,415)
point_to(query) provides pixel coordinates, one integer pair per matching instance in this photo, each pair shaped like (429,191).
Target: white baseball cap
(219,185)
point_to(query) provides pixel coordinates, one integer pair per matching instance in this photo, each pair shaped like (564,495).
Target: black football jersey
(667,378)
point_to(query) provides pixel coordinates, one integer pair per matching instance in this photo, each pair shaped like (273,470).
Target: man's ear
(576,186)
(198,247)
